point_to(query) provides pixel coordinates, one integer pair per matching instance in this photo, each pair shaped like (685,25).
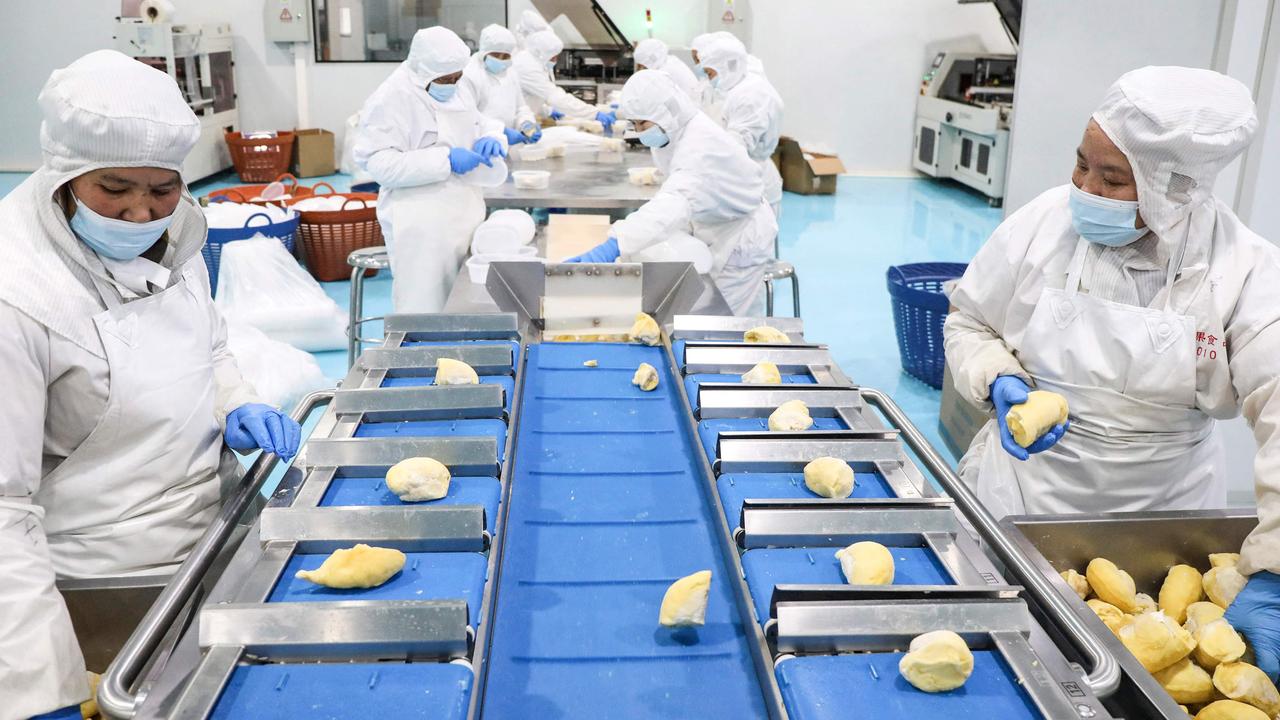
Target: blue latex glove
(605,252)
(514,137)
(1256,614)
(255,426)
(489,148)
(534,132)
(463,161)
(1006,392)
(556,115)
(607,119)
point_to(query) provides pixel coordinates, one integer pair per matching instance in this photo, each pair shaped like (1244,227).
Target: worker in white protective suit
(496,87)
(431,151)
(652,54)
(1142,299)
(119,389)
(531,21)
(750,107)
(535,65)
(712,191)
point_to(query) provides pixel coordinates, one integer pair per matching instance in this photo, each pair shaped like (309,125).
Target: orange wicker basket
(260,159)
(244,193)
(327,237)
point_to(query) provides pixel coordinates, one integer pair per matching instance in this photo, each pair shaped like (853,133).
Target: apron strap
(1076,267)
(1175,266)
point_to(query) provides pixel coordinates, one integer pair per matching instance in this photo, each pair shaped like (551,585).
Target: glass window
(381,30)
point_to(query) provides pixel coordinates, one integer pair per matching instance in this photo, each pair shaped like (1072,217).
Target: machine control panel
(287,20)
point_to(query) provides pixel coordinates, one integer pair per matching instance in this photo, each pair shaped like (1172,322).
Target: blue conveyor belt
(606,511)
(844,687)
(439,428)
(691,382)
(766,567)
(360,491)
(346,691)
(709,430)
(736,487)
(507,383)
(426,576)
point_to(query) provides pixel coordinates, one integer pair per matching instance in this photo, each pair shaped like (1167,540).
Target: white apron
(427,229)
(1136,440)
(772,185)
(142,488)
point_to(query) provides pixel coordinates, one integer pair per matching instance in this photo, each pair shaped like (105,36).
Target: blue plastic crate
(919,310)
(218,237)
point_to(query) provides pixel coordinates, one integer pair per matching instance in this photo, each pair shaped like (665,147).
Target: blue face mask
(116,239)
(496,66)
(442,93)
(654,137)
(1102,220)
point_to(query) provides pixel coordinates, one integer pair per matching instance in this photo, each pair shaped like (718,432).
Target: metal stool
(370,258)
(780,270)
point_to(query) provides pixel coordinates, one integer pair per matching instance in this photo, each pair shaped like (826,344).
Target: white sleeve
(535,82)
(382,148)
(567,103)
(669,212)
(24,356)
(747,122)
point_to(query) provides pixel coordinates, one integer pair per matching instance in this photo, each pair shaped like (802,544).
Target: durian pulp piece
(591,363)
(645,330)
(555,151)
(866,563)
(791,416)
(766,334)
(685,602)
(1224,559)
(1182,586)
(1202,613)
(829,477)
(455,372)
(1222,584)
(765,373)
(89,708)
(646,377)
(1145,604)
(1245,683)
(937,661)
(1038,415)
(1109,614)
(1156,641)
(359,567)
(1216,643)
(1230,710)
(1112,584)
(1077,582)
(419,479)
(1186,682)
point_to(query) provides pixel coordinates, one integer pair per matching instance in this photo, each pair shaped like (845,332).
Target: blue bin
(218,237)
(919,310)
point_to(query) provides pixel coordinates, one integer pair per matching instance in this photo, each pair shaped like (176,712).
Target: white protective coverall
(652,53)
(712,191)
(497,96)
(427,212)
(750,106)
(116,391)
(538,81)
(531,21)
(1144,384)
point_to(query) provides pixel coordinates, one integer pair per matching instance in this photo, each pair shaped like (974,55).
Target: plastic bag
(226,214)
(259,283)
(347,161)
(280,373)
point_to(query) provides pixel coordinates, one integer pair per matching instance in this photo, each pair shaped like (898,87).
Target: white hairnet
(531,22)
(725,54)
(652,95)
(651,53)
(1179,127)
(436,52)
(108,110)
(495,38)
(544,45)
(699,43)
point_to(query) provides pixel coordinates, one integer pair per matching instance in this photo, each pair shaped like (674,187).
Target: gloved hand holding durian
(1030,421)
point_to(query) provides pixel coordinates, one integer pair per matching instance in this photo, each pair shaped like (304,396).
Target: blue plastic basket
(218,237)
(919,310)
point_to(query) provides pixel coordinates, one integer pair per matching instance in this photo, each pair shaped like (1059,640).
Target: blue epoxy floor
(841,246)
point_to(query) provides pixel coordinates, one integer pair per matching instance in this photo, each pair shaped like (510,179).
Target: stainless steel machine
(962,120)
(198,58)
(597,64)
(533,589)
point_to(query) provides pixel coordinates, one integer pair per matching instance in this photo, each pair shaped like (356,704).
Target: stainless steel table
(578,181)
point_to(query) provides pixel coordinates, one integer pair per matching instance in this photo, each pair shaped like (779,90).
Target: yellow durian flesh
(1038,415)
(418,479)
(1182,586)
(361,566)
(1216,643)
(1156,641)
(1224,559)
(1186,682)
(685,602)
(1230,710)
(937,661)
(1222,584)
(455,372)
(766,334)
(1109,614)
(1077,582)
(764,373)
(791,416)
(1202,613)
(645,330)
(866,563)
(1112,584)
(1247,684)
(829,477)
(646,377)
(1145,604)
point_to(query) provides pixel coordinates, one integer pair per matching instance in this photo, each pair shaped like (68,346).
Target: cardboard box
(313,153)
(572,235)
(958,420)
(807,173)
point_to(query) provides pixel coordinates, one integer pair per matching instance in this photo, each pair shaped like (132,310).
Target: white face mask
(116,239)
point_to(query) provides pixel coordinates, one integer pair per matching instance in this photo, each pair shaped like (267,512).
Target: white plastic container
(478,265)
(643,175)
(531,179)
(534,153)
(556,151)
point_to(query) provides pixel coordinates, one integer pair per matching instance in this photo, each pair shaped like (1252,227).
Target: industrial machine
(962,120)
(599,62)
(198,58)
(533,589)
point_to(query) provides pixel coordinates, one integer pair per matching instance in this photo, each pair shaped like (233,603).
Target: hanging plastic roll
(156,11)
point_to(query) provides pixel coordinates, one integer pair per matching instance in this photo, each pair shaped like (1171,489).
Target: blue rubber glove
(489,148)
(1256,614)
(463,161)
(607,119)
(531,131)
(1006,392)
(255,426)
(556,115)
(514,137)
(605,252)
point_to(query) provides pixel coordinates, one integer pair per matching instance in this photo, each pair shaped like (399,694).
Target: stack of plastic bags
(234,215)
(280,373)
(506,236)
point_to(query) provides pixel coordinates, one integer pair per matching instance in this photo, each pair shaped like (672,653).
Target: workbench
(579,180)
